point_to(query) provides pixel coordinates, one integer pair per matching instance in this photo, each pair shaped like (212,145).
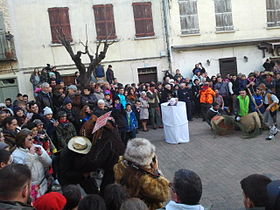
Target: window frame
(105,22)
(224,28)
(141,19)
(275,10)
(59,11)
(190,31)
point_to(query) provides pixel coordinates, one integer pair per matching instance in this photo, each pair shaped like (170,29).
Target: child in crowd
(132,123)
(108,100)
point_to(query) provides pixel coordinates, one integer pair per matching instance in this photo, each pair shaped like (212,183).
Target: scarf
(63,121)
(128,117)
(243,105)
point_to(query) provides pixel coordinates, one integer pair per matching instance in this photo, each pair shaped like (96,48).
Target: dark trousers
(196,109)
(155,117)
(189,106)
(122,133)
(204,109)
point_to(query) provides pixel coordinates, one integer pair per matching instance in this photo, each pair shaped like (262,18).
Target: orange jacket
(206,96)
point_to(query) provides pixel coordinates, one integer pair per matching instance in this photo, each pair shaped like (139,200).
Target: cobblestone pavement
(220,161)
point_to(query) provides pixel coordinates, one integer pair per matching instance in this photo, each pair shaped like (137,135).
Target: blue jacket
(122,100)
(99,71)
(132,123)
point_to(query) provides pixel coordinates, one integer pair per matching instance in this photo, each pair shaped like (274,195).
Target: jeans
(155,117)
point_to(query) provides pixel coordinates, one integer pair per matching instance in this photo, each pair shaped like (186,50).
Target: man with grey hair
(100,109)
(45,98)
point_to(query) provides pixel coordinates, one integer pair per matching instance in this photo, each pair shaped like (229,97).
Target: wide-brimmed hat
(79,144)
(140,151)
(269,73)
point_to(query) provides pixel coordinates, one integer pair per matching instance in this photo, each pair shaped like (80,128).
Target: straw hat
(79,144)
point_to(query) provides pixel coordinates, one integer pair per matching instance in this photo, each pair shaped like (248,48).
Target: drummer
(212,112)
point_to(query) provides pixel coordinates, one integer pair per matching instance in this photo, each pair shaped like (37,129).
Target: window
(223,15)
(143,19)
(273,13)
(104,21)
(59,21)
(188,16)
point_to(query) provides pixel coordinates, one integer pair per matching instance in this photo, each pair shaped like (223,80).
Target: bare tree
(85,72)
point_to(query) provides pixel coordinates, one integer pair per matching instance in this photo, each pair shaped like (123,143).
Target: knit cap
(50,201)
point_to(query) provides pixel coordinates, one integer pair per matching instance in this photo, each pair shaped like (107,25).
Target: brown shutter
(143,19)
(104,21)
(59,22)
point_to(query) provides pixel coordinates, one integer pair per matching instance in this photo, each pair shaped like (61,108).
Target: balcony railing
(7,47)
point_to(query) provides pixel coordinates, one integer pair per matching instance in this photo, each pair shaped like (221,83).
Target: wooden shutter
(60,23)
(188,16)
(143,19)
(104,21)
(273,13)
(223,15)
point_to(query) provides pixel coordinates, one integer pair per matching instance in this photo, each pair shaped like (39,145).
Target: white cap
(47,110)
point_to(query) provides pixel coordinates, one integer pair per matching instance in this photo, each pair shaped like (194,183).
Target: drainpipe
(165,4)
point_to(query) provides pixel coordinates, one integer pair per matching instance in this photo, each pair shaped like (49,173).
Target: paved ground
(221,162)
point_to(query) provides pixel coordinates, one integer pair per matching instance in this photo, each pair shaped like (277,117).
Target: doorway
(147,74)
(228,66)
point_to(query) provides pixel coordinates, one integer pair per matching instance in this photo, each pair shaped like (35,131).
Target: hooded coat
(153,190)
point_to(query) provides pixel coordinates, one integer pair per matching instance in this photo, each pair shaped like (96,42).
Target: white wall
(249,20)
(185,60)
(34,37)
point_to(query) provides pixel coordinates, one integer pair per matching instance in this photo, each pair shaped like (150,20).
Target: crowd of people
(47,144)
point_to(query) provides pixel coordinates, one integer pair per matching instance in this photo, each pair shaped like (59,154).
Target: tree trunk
(85,79)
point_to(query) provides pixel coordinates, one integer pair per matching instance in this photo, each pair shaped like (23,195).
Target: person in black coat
(74,168)
(185,94)
(268,65)
(88,98)
(45,98)
(110,74)
(72,115)
(100,109)
(118,113)
(166,94)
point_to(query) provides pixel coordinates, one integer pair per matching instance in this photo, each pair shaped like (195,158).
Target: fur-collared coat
(153,190)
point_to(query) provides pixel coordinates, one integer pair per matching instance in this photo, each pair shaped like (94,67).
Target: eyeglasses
(29,139)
